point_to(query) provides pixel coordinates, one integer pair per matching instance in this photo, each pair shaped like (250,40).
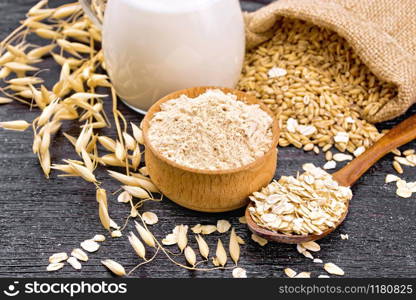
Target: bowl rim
(241,96)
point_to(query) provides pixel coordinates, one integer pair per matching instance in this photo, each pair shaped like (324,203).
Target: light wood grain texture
(400,135)
(206,190)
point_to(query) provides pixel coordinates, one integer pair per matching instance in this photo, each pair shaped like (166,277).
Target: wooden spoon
(347,176)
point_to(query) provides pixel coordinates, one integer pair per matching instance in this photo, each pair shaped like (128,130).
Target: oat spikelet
(103,212)
(136,192)
(203,246)
(234,247)
(137,245)
(114,267)
(83,172)
(182,237)
(18,125)
(146,236)
(137,133)
(190,256)
(130,142)
(221,255)
(107,143)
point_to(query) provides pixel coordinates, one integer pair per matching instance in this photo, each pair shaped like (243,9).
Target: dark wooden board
(39,217)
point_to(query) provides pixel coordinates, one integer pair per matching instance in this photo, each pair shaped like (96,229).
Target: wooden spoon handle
(396,137)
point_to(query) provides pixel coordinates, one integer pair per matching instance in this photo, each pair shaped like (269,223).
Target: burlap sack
(382,32)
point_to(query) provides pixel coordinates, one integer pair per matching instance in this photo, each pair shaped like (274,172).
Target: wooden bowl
(207,190)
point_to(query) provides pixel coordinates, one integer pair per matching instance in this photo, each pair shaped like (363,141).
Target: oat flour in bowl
(213,131)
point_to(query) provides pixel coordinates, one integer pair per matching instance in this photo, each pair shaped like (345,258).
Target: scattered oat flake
(170,239)
(341,137)
(303,275)
(98,238)
(259,240)
(79,254)
(292,125)
(404,192)
(276,72)
(58,257)
(116,234)
(329,165)
(54,266)
(150,218)
(300,248)
(307,254)
(114,224)
(197,228)
(318,261)
(323,276)
(90,246)
(360,150)
(391,178)
(332,268)
(311,246)
(239,273)
(74,263)
(342,157)
(208,229)
(242,220)
(223,226)
(344,236)
(290,272)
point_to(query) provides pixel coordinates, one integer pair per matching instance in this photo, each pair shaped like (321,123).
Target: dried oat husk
(378,31)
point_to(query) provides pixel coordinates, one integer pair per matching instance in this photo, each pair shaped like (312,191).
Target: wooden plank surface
(39,217)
